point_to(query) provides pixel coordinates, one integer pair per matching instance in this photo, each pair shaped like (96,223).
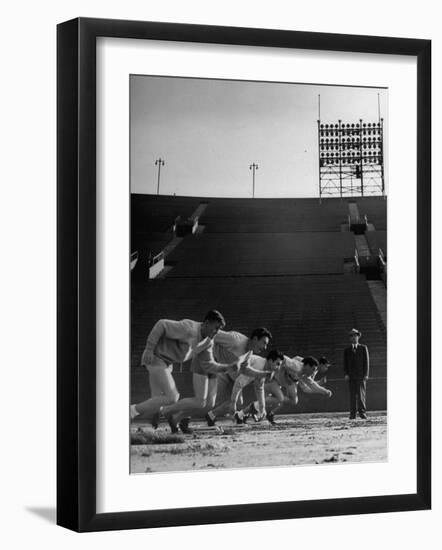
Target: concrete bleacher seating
(149,241)
(273,215)
(272,262)
(154,213)
(232,254)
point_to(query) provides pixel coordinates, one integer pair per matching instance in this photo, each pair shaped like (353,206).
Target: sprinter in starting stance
(296,372)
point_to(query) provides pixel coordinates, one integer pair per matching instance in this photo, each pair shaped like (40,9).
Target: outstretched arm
(308,385)
(248,370)
(208,363)
(260,396)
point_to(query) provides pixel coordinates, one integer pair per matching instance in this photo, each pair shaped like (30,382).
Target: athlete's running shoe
(155,421)
(211,419)
(184,426)
(254,412)
(173,424)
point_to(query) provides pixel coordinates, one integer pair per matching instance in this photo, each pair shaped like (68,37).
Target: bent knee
(201,403)
(172,397)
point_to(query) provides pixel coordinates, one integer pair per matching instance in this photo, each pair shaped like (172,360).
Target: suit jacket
(357,362)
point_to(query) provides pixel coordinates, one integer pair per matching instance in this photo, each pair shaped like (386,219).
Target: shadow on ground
(48,514)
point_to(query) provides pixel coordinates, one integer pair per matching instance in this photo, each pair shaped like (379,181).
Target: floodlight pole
(159,162)
(253,167)
(319,145)
(319,158)
(381,156)
(340,155)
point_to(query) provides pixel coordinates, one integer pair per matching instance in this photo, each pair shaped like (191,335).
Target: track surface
(297,439)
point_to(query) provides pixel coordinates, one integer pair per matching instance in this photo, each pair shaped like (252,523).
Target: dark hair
(274,355)
(261,332)
(323,360)
(311,361)
(215,316)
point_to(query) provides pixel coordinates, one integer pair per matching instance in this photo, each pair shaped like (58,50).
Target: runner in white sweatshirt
(230,346)
(204,378)
(262,371)
(172,342)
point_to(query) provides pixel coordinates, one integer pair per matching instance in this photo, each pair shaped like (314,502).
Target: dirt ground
(297,439)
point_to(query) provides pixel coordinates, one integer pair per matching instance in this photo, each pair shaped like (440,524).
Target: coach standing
(356,370)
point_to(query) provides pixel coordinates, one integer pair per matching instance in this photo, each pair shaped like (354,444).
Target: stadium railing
(133,259)
(383,265)
(156,264)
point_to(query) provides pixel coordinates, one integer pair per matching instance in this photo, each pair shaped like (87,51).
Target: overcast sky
(210,131)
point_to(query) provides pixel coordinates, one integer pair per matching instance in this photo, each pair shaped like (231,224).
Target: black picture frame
(76,273)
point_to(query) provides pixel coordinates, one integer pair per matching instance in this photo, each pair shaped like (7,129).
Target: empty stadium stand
(156,213)
(272,262)
(274,215)
(151,241)
(233,254)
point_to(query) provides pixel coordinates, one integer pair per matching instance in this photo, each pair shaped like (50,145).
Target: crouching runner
(295,373)
(205,383)
(259,370)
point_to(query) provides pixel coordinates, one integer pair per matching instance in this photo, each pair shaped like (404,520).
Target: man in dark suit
(356,370)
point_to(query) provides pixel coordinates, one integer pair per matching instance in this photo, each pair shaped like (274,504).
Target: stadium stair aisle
(362,246)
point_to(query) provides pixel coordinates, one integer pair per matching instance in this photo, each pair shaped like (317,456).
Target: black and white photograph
(222,346)
(258,274)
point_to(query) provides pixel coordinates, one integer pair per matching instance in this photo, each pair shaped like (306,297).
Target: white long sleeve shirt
(229,347)
(175,341)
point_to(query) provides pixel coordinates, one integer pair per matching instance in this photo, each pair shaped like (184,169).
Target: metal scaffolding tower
(351,159)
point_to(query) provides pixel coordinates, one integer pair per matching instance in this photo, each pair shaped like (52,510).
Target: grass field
(297,439)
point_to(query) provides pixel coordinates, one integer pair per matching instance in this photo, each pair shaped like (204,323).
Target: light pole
(159,162)
(253,167)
